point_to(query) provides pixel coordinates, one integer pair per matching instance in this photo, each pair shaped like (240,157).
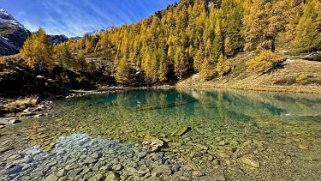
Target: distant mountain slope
(55,39)
(12,34)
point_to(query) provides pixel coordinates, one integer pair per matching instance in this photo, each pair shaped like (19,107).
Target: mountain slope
(12,34)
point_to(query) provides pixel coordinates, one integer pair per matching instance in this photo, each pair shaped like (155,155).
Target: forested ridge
(189,37)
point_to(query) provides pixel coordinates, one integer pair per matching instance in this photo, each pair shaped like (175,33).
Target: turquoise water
(227,135)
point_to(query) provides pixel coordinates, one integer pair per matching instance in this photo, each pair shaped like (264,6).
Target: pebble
(288,161)
(2,126)
(51,177)
(98,177)
(197,174)
(61,173)
(96,155)
(141,155)
(202,146)
(71,166)
(90,161)
(223,155)
(13,169)
(184,178)
(112,177)
(303,147)
(250,162)
(117,167)
(247,143)
(216,162)
(222,143)
(162,170)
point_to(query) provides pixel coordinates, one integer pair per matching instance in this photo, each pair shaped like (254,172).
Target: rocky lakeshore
(166,135)
(81,157)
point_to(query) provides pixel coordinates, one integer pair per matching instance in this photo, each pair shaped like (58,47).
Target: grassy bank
(295,75)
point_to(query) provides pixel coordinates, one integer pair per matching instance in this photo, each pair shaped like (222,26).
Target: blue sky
(76,17)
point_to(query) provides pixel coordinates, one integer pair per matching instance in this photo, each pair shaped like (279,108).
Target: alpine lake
(168,135)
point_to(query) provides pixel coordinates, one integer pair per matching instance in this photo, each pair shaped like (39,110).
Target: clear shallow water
(232,135)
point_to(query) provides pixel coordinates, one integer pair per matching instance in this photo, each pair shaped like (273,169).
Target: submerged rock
(15,121)
(117,167)
(303,147)
(152,143)
(222,143)
(51,177)
(181,131)
(161,170)
(112,177)
(250,162)
(197,174)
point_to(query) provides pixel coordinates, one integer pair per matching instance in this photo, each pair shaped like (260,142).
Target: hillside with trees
(193,36)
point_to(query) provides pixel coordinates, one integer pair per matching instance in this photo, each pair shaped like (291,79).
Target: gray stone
(216,162)
(96,155)
(98,177)
(61,173)
(112,177)
(131,171)
(12,169)
(51,177)
(90,160)
(141,155)
(117,167)
(162,170)
(222,143)
(86,170)
(75,172)
(250,162)
(71,166)
(197,174)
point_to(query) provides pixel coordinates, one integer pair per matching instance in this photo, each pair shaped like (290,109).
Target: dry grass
(10,58)
(20,104)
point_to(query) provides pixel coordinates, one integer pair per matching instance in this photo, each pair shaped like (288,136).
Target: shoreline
(272,89)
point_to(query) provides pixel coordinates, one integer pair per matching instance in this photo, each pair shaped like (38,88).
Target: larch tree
(261,25)
(307,30)
(37,52)
(122,74)
(221,66)
(81,62)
